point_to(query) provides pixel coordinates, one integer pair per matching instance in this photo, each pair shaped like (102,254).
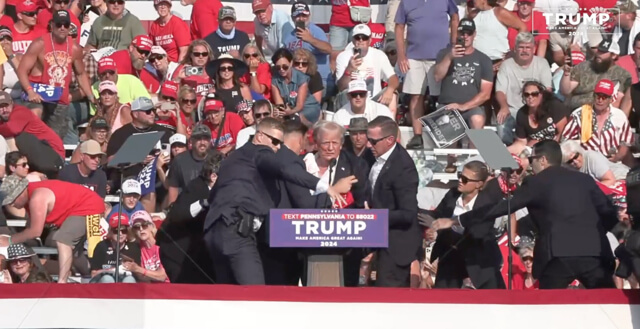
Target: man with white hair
(592,163)
(513,72)
(360,105)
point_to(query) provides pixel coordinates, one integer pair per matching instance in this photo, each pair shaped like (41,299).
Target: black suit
(396,189)
(246,186)
(462,255)
(572,216)
(180,238)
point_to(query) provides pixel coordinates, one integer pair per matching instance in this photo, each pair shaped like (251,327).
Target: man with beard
(578,83)
(187,165)
(132,59)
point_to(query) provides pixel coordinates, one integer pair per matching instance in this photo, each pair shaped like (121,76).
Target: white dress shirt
(377,167)
(460,209)
(314,169)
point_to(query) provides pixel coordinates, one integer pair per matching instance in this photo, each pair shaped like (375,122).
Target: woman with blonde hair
(109,106)
(191,71)
(151,269)
(305,62)
(187,101)
(258,77)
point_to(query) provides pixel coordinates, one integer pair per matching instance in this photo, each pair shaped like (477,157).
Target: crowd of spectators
(90,76)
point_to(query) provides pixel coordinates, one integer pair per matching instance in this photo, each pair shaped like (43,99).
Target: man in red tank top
(55,55)
(70,211)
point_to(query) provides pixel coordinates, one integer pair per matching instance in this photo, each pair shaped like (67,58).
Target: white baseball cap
(357,85)
(131,186)
(361,29)
(158,50)
(178,138)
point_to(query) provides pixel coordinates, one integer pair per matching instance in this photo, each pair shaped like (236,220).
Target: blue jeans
(506,130)
(339,37)
(78,114)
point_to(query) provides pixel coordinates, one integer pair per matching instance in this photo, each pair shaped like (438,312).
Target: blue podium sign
(330,228)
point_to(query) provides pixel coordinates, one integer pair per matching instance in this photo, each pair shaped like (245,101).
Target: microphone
(332,163)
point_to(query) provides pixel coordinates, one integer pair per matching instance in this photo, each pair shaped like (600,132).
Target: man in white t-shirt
(366,63)
(359,105)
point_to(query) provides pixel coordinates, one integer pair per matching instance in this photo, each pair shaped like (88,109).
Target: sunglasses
(225,69)
(262,115)
(302,64)
(122,230)
(200,54)
(108,72)
(573,158)
(8,38)
(19,260)
(533,157)
(94,156)
(392,52)
(143,52)
(464,179)
(601,97)
(358,94)
(167,98)
(361,38)
(373,142)
(254,55)
(142,226)
(531,94)
(154,59)
(282,67)
(147,112)
(189,101)
(66,25)
(113,2)
(527,258)
(61,2)
(274,140)
(29,13)
(23,165)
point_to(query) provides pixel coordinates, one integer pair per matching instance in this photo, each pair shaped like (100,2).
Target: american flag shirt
(616,131)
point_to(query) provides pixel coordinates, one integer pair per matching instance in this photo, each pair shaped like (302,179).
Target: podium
(326,233)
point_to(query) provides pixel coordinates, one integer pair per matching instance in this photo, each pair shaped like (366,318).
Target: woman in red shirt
(191,71)
(259,76)
(170,32)
(224,125)
(168,116)
(151,269)
(523,280)
(187,101)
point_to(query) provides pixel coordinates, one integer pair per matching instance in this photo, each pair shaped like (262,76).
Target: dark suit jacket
(396,189)
(181,235)
(472,253)
(570,211)
(243,181)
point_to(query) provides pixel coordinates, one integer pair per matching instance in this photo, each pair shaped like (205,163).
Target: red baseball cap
(212,105)
(26,6)
(604,86)
(107,64)
(157,2)
(113,220)
(260,5)
(142,42)
(531,1)
(169,89)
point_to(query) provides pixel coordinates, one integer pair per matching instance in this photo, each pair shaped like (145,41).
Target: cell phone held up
(193,70)
(357,52)
(460,41)
(300,26)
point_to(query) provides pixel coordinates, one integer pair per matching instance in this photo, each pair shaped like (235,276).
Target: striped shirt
(616,131)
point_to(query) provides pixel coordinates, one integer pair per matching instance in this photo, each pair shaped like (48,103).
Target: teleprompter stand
(133,152)
(496,156)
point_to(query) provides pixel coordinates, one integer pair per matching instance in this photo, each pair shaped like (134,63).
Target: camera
(192,70)
(460,41)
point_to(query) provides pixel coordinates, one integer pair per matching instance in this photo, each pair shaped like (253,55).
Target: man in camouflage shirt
(578,83)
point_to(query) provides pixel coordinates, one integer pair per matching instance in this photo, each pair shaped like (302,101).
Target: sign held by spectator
(444,126)
(329,228)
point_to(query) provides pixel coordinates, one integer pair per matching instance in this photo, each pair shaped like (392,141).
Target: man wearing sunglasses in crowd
(260,109)
(25,30)
(363,62)
(56,57)
(45,15)
(133,59)
(611,135)
(116,28)
(158,69)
